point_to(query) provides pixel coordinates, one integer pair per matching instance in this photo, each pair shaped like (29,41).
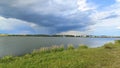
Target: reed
(70,47)
(54,48)
(57,48)
(109,45)
(42,50)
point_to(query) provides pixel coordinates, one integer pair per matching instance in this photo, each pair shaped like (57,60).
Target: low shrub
(109,45)
(117,42)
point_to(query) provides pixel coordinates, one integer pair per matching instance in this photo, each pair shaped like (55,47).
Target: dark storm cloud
(55,23)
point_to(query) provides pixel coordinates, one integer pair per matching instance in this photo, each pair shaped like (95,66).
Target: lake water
(20,45)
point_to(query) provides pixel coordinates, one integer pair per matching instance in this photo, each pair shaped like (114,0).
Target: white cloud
(84,6)
(108,23)
(75,32)
(71,33)
(117,0)
(106,19)
(106,26)
(118,27)
(19,26)
(12,23)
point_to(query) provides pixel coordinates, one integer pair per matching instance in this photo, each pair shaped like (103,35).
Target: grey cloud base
(56,15)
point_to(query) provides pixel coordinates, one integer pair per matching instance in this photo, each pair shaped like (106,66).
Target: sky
(76,17)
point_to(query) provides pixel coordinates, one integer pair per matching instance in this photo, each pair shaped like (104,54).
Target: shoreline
(59,37)
(81,57)
(45,35)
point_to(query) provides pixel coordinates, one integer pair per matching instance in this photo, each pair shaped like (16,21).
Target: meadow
(107,56)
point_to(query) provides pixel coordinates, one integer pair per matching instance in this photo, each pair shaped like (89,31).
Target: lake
(21,45)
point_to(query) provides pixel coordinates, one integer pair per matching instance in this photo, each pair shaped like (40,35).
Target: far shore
(44,35)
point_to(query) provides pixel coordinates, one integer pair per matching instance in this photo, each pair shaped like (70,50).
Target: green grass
(107,56)
(82,46)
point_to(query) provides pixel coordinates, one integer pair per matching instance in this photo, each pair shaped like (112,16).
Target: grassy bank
(107,56)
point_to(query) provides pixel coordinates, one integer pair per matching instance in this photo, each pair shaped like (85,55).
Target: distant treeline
(44,35)
(41,35)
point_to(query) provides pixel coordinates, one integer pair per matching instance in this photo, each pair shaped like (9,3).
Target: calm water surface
(21,45)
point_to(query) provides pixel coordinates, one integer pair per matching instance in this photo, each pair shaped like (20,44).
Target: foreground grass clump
(58,57)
